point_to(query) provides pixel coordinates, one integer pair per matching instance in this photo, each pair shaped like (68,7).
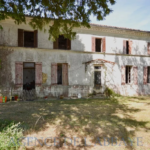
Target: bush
(109,92)
(10,133)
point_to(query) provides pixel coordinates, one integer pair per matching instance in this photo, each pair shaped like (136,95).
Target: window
(28,39)
(148,48)
(127,47)
(98,45)
(148,74)
(59,74)
(97,76)
(128,74)
(62,43)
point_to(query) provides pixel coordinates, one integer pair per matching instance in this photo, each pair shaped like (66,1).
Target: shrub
(10,133)
(109,92)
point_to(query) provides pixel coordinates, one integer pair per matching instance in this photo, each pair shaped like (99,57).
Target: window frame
(128,79)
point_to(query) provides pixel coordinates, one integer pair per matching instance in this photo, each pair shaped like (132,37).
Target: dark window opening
(98,45)
(62,42)
(97,67)
(59,74)
(28,39)
(128,74)
(28,76)
(148,74)
(97,78)
(127,47)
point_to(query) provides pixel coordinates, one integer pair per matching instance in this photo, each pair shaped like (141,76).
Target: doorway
(28,76)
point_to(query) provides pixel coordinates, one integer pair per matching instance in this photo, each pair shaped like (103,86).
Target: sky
(133,14)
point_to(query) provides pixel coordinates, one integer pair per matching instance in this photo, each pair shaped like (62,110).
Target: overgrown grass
(118,117)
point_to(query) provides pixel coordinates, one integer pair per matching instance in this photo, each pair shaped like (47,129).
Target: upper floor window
(98,44)
(127,47)
(62,43)
(27,38)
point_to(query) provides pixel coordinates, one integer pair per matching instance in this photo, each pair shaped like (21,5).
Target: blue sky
(133,14)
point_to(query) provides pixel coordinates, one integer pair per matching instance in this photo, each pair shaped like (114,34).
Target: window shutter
(130,47)
(38,73)
(145,75)
(36,38)
(148,48)
(65,74)
(103,44)
(93,44)
(19,73)
(53,73)
(68,44)
(20,37)
(135,71)
(55,44)
(123,75)
(124,47)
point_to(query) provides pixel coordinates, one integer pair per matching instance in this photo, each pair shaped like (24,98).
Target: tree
(62,16)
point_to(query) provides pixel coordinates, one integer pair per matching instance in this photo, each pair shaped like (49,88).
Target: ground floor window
(59,74)
(128,74)
(97,76)
(148,74)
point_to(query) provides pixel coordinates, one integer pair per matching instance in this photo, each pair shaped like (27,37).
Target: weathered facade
(121,62)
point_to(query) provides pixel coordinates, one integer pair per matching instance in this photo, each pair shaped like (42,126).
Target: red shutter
(148,48)
(55,44)
(19,73)
(124,46)
(123,75)
(53,73)
(145,75)
(93,44)
(68,44)
(135,71)
(36,38)
(130,47)
(38,73)
(20,37)
(103,44)
(65,74)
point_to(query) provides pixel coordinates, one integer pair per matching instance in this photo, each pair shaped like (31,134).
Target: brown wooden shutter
(103,44)
(19,73)
(55,44)
(123,75)
(148,48)
(53,73)
(145,75)
(68,44)
(36,38)
(124,47)
(20,38)
(135,71)
(93,44)
(38,73)
(65,74)
(130,47)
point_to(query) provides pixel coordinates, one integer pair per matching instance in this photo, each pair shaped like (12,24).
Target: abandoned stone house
(99,57)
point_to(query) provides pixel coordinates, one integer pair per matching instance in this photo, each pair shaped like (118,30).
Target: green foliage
(110,93)
(61,16)
(10,133)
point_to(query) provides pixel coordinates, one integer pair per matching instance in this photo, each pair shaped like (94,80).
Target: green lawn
(121,118)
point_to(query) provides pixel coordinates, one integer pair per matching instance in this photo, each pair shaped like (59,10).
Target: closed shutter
(93,44)
(36,38)
(53,73)
(135,71)
(124,47)
(148,48)
(103,44)
(145,75)
(68,44)
(55,44)
(123,75)
(19,73)
(65,74)
(38,73)
(130,47)
(20,38)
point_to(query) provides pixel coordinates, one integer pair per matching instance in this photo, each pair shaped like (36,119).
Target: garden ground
(115,123)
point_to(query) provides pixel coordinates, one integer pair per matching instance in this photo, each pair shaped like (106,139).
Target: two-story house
(99,57)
